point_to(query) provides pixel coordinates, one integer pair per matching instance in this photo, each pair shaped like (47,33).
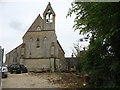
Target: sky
(16,16)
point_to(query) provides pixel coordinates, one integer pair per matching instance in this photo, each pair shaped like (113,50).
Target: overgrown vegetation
(102,60)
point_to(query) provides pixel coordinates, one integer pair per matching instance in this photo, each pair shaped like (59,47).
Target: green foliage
(102,60)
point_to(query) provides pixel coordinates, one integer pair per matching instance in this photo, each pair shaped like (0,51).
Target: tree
(102,60)
(78,52)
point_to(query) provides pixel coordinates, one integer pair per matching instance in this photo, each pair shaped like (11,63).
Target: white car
(4,72)
(0,79)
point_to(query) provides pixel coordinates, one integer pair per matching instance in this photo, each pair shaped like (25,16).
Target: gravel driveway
(31,80)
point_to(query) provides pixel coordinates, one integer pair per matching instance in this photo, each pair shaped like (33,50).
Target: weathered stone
(40,48)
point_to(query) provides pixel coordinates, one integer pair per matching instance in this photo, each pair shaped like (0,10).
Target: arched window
(49,17)
(22,49)
(45,47)
(38,43)
(30,46)
(52,49)
(38,28)
(15,57)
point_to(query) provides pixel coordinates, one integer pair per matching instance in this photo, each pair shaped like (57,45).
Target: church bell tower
(49,18)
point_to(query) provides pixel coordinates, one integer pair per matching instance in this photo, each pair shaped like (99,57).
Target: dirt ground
(42,80)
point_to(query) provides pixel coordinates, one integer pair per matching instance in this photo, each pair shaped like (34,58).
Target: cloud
(33,0)
(17,25)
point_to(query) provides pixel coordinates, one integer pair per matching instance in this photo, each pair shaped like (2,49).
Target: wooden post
(85,79)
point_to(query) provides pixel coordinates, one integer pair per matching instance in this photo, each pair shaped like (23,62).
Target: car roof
(4,67)
(16,64)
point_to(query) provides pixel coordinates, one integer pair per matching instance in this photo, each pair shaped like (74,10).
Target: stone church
(40,48)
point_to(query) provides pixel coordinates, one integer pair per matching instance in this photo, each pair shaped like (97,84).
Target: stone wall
(62,61)
(37,64)
(51,64)
(38,52)
(13,56)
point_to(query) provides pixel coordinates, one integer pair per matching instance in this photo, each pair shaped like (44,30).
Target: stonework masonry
(40,48)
